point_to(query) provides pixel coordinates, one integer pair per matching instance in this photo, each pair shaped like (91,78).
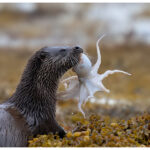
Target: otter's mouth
(74,57)
(80,59)
(79,62)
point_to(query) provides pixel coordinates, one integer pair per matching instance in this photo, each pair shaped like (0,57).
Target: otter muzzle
(78,49)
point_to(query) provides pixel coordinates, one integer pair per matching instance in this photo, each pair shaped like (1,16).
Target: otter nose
(78,49)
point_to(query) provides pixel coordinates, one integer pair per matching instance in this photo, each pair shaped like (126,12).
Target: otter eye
(77,47)
(63,50)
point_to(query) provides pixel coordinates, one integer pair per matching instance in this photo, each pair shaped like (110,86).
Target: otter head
(48,64)
(57,60)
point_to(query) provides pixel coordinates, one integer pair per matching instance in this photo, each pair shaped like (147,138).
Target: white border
(75,1)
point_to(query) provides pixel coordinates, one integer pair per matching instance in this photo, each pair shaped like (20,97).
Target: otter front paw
(61,133)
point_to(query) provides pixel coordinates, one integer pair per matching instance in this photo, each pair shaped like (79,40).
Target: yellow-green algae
(99,130)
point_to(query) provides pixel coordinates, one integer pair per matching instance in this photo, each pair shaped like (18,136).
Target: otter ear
(42,55)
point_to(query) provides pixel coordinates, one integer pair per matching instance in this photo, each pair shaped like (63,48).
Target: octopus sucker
(88,81)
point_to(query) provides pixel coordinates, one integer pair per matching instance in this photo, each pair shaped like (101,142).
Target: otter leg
(48,126)
(56,128)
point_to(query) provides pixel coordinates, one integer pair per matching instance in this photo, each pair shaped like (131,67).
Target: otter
(31,109)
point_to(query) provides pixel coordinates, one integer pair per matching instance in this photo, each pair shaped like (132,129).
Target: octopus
(87,82)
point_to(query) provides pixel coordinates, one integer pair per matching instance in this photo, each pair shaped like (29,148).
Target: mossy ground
(99,130)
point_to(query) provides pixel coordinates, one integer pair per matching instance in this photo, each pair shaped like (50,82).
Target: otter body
(31,109)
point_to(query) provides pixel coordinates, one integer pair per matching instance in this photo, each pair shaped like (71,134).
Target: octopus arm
(92,86)
(68,80)
(103,88)
(82,96)
(108,72)
(72,91)
(98,62)
(97,82)
(91,89)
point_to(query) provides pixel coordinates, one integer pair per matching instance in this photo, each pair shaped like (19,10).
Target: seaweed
(98,130)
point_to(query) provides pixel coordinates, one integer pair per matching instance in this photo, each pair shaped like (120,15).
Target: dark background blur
(25,28)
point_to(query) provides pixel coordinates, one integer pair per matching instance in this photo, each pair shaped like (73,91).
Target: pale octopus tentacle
(68,80)
(109,72)
(96,66)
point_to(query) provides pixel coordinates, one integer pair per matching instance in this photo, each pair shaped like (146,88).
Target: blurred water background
(25,28)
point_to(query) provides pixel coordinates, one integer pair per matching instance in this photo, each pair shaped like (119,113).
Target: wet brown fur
(31,109)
